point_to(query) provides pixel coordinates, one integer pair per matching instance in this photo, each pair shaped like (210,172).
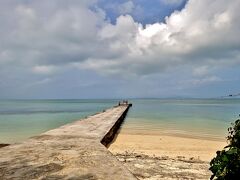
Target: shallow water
(183,117)
(20,119)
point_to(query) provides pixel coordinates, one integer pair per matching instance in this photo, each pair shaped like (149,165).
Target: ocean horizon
(192,117)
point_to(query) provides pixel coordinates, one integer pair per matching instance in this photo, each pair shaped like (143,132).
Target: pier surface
(74,151)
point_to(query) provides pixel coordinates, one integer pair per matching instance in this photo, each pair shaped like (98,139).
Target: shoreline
(144,132)
(172,146)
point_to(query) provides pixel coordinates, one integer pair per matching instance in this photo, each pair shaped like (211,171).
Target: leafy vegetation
(226,165)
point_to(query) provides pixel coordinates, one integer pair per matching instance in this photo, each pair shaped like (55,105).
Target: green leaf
(232,151)
(226,164)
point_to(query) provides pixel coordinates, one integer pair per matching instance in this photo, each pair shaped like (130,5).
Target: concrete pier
(73,151)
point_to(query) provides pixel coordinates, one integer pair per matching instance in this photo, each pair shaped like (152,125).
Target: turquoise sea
(20,119)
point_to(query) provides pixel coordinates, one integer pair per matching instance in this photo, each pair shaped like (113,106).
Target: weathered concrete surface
(72,151)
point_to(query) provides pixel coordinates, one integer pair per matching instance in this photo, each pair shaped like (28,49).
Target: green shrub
(226,165)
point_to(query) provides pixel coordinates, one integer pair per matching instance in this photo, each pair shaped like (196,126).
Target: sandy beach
(152,156)
(166,145)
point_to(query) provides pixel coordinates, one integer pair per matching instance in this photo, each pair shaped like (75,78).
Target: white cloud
(42,37)
(203,33)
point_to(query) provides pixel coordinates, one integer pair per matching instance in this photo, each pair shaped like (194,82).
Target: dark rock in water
(3,145)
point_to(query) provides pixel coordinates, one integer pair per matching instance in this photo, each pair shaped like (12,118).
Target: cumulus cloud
(195,35)
(77,34)
(45,37)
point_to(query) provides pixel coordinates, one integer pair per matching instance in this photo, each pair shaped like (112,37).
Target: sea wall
(112,133)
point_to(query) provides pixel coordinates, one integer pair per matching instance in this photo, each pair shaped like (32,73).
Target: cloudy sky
(119,48)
